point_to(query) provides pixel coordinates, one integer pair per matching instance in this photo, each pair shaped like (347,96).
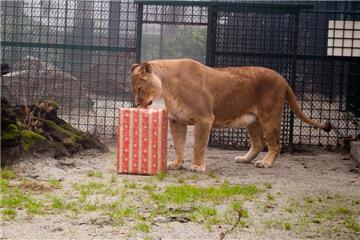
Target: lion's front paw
(241,159)
(262,164)
(174,166)
(197,168)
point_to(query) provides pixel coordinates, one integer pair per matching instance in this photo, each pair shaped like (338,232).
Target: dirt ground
(304,196)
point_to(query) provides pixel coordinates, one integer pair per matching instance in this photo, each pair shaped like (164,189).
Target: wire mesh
(77,53)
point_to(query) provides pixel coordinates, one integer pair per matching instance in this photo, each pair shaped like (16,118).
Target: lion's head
(146,85)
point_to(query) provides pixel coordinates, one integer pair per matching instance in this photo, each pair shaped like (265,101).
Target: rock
(161,219)
(31,73)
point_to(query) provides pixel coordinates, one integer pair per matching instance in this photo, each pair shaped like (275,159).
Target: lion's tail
(295,107)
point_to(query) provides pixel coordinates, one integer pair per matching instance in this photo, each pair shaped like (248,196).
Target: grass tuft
(93,173)
(8,214)
(190,193)
(161,176)
(7,173)
(143,227)
(55,183)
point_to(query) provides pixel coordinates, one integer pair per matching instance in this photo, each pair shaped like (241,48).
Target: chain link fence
(79,53)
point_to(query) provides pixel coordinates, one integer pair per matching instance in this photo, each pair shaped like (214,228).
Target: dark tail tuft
(327,127)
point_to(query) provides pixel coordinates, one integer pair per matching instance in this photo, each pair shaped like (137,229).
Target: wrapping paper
(142,141)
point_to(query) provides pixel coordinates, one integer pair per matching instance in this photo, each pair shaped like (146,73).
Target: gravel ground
(303,196)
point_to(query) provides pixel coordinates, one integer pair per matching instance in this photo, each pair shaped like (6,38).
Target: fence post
(139,24)
(211,36)
(293,77)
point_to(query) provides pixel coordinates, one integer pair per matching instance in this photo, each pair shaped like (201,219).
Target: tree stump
(36,128)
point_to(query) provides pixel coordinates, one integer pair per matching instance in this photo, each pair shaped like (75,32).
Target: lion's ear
(134,66)
(145,68)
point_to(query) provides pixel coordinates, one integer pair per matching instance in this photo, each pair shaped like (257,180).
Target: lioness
(194,94)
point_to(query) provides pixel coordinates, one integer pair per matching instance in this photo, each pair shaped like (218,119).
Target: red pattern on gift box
(142,141)
(163,143)
(145,143)
(135,150)
(155,138)
(126,133)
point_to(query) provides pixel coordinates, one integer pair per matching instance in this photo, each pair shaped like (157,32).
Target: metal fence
(314,45)
(79,53)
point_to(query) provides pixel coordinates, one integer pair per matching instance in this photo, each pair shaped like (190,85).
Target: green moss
(30,138)
(21,125)
(67,130)
(11,133)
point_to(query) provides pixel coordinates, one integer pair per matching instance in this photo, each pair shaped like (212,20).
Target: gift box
(142,141)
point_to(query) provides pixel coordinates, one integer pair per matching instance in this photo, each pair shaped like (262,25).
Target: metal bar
(284,55)
(278,6)
(293,78)
(66,46)
(177,23)
(139,32)
(211,36)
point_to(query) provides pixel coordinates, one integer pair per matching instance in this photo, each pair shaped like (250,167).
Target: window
(343,38)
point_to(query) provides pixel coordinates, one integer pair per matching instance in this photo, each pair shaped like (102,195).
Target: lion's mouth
(145,105)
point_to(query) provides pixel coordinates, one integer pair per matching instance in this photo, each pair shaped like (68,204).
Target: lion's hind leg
(257,143)
(272,135)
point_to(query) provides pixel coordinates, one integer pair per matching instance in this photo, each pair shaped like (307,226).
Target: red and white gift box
(142,141)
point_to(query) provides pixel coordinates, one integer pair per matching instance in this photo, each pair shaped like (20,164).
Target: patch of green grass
(343,210)
(287,226)
(190,193)
(8,214)
(110,191)
(270,197)
(55,183)
(57,203)
(129,184)
(161,176)
(88,188)
(34,206)
(12,198)
(4,183)
(181,180)
(90,207)
(118,214)
(113,179)
(93,173)
(148,238)
(268,185)
(143,227)
(7,173)
(150,187)
(352,224)
(237,206)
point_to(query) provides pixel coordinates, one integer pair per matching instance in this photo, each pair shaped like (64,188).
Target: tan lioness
(194,94)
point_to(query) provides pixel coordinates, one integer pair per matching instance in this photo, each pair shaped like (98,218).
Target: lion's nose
(150,102)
